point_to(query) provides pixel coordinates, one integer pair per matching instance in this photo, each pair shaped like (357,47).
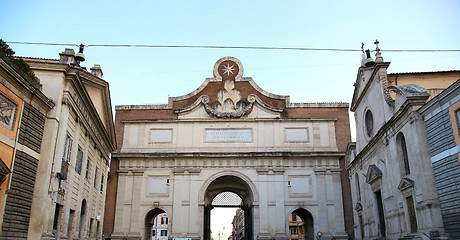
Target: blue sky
(150,75)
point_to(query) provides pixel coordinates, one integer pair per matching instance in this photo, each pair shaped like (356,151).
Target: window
(164,233)
(369,121)
(88,167)
(402,152)
(382,228)
(164,220)
(95,178)
(102,183)
(57,213)
(90,229)
(79,160)
(412,215)
(457,118)
(361,226)
(294,231)
(358,188)
(67,148)
(71,219)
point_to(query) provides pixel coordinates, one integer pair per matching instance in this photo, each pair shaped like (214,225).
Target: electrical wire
(232,47)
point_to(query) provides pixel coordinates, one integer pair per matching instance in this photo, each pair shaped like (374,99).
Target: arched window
(402,153)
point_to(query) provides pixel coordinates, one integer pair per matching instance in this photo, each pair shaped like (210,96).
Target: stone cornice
(233,120)
(227,154)
(291,105)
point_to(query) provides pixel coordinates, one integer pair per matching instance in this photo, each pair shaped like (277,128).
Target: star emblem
(228,69)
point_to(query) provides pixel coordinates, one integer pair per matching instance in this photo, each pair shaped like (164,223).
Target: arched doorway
(228,191)
(304,224)
(154,227)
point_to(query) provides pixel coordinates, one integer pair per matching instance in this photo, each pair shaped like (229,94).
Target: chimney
(97,70)
(68,57)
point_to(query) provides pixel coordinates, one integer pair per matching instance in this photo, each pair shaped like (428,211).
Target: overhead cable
(232,47)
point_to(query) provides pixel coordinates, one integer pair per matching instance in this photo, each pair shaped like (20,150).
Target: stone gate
(229,135)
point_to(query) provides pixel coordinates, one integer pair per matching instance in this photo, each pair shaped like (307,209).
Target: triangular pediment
(405,184)
(373,173)
(229,95)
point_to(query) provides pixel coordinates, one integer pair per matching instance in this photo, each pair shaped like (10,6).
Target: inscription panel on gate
(228,135)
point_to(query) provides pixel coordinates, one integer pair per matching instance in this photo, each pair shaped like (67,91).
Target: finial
(362,47)
(378,54)
(377,49)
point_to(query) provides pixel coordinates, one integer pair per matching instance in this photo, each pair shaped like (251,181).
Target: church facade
(392,181)
(229,143)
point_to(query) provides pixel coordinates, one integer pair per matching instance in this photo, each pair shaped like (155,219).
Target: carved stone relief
(8,111)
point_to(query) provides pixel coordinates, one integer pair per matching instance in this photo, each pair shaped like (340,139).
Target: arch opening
(157,225)
(230,200)
(301,225)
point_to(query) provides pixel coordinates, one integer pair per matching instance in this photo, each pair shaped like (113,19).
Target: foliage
(5,50)
(21,65)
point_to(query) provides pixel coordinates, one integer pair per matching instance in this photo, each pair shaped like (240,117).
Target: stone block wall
(439,130)
(19,200)
(19,197)
(31,132)
(446,170)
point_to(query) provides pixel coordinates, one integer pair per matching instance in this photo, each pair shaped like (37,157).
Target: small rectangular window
(79,160)
(67,148)
(88,168)
(95,178)
(164,233)
(294,231)
(102,183)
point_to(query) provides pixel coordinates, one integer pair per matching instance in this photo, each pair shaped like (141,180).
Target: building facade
(391,178)
(441,116)
(238,225)
(433,82)
(160,227)
(296,228)
(23,111)
(78,136)
(229,135)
